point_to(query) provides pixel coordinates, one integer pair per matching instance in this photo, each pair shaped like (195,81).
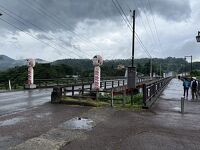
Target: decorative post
(97,62)
(30,64)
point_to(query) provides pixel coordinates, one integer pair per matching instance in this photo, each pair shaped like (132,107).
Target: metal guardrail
(45,83)
(153,89)
(77,89)
(107,82)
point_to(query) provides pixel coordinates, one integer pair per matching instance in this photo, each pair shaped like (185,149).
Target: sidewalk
(161,128)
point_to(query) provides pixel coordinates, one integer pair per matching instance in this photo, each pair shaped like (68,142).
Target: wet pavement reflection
(174,90)
(19,101)
(79,123)
(12,121)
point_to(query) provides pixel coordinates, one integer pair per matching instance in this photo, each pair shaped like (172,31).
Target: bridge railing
(153,89)
(44,83)
(77,89)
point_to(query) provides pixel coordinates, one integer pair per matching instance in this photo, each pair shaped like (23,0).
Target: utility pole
(191,65)
(185,66)
(133,40)
(132,70)
(160,70)
(151,68)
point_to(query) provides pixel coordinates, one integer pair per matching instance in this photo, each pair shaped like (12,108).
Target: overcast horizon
(52,30)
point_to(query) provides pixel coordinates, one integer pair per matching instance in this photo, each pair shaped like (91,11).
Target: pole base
(30,86)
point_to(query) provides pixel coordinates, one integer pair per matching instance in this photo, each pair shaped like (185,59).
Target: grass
(84,102)
(105,100)
(118,100)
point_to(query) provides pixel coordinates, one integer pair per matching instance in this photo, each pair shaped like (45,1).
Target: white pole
(10,88)
(112,98)
(151,68)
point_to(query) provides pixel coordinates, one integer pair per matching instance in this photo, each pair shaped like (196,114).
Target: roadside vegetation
(105,100)
(196,73)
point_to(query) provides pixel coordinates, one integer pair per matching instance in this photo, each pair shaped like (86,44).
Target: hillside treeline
(84,68)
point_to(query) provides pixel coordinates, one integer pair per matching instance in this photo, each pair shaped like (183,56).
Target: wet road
(162,127)
(11,102)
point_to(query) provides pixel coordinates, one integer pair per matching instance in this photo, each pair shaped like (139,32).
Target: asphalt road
(11,102)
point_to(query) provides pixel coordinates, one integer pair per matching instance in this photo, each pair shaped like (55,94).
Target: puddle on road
(43,115)
(9,122)
(177,108)
(79,123)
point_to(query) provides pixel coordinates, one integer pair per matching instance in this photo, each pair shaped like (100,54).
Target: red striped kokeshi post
(30,64)
(97,62)
(30,75)
(97,74)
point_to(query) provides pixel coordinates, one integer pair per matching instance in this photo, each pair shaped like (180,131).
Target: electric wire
(142,21)
(130,26)
(148,22)
(56,21)
(41,12)
(22,30)
(154,22)
(25,24)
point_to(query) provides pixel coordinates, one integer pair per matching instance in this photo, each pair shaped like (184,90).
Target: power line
(41,12)
(121,14)
(22,30)
(142,21)
(25,24)
(55,21)
(120,9)
(148,22)
(156,35)
(154,23)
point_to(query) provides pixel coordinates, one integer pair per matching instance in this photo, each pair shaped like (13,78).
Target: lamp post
(198,37)
(190,64)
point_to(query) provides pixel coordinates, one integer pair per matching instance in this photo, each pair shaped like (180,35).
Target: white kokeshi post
(97,62)
(30,64)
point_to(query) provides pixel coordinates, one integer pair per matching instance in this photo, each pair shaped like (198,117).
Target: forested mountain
(7,62)
(143,65)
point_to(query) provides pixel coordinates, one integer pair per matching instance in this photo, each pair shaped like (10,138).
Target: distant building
(120,67)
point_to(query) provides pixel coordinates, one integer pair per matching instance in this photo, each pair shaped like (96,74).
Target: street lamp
(190,64)
(198,37)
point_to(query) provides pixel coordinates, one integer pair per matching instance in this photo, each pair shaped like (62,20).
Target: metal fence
(104,85)
(153,89)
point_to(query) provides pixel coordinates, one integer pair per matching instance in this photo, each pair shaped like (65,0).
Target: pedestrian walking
(186,86)
(194,88)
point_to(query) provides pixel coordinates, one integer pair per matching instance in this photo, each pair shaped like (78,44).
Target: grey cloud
(174,10)
(44,37)
(67,13)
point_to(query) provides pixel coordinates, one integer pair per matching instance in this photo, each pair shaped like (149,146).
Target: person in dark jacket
(194,88)
(186,86)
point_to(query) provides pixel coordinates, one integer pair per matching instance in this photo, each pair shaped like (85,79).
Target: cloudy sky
(58,29)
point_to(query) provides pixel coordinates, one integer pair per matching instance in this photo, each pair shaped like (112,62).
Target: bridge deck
(170,100)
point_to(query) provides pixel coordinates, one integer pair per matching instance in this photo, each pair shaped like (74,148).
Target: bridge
(14,101)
